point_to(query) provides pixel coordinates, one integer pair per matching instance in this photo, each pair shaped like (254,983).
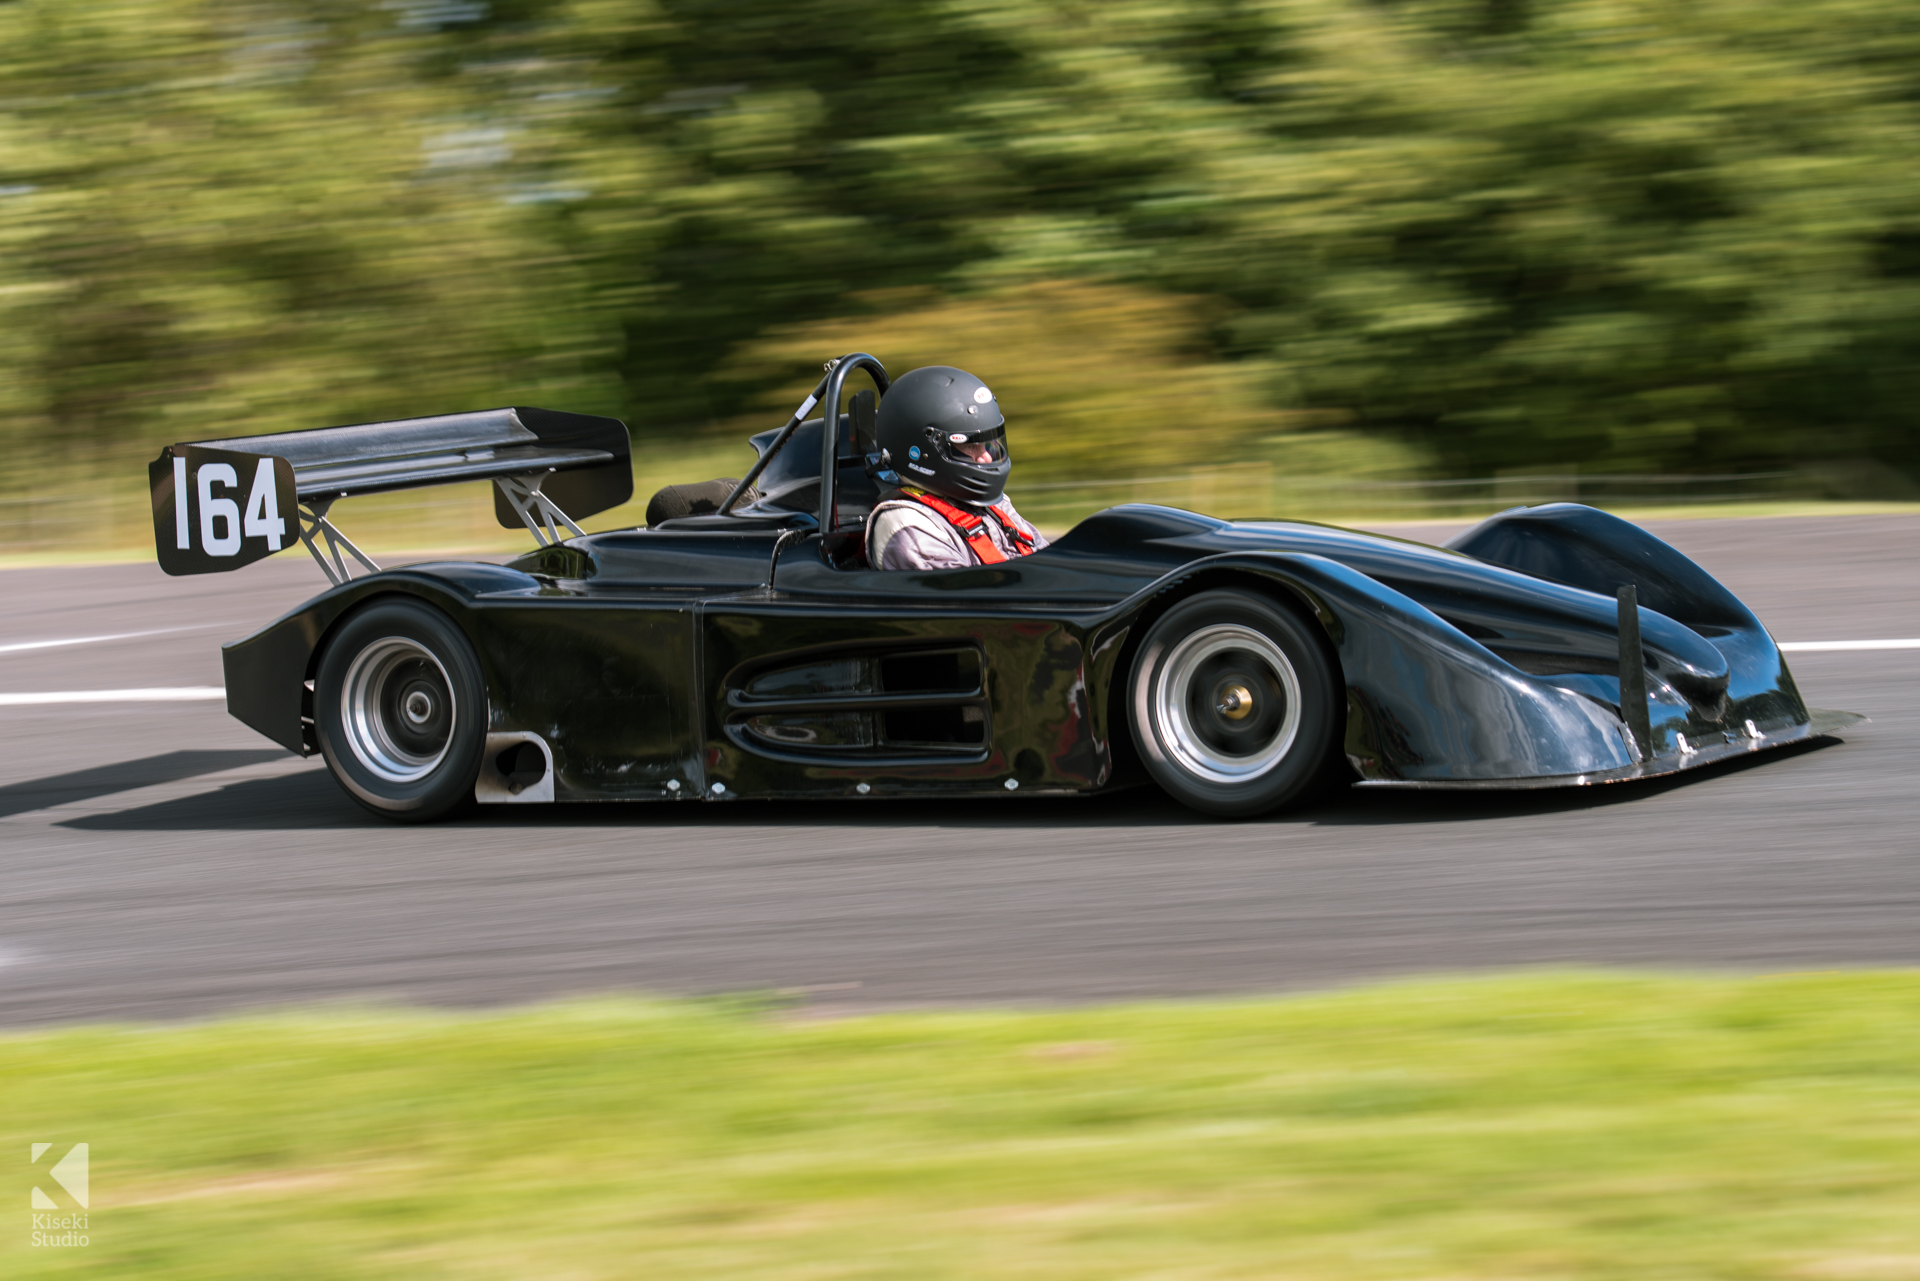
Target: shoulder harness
(974,528)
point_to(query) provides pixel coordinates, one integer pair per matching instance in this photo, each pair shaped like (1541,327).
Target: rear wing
(221,504)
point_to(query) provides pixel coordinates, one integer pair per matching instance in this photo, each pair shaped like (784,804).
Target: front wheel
(1234,704)
(399,708)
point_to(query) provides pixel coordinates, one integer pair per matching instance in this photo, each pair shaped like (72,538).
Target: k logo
(68,1173)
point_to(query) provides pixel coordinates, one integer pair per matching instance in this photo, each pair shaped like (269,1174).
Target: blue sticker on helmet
(913,452)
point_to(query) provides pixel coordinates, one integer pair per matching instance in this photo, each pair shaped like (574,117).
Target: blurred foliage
(1617,235)
(225,216)
(1098,380)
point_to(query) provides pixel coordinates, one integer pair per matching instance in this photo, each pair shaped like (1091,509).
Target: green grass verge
(1537,1126)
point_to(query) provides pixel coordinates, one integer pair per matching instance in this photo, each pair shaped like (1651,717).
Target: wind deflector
(549,467)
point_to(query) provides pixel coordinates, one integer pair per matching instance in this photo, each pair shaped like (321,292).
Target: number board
(218,509)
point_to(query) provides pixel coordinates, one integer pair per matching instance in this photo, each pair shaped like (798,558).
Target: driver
(941,443)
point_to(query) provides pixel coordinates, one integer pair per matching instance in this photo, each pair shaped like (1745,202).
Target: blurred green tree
(1596,234)
(233,216)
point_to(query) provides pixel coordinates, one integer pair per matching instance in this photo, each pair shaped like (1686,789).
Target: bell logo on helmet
(981,395)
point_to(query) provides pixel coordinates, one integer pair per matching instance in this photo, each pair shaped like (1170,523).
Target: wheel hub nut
(419,707)
(1236,702)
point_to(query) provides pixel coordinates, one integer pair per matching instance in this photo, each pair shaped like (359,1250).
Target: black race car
(743,648)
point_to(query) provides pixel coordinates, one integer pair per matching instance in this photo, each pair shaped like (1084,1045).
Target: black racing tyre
(1234,705)
(400,710)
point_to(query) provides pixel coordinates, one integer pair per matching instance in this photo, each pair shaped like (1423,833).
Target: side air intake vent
(907,706)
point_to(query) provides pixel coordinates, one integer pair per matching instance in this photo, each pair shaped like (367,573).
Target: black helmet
(924,419)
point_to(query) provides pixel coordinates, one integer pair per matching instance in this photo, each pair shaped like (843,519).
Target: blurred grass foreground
(1570,1125)
(1261,257)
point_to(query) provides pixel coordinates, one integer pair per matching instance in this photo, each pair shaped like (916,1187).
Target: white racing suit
(907,533)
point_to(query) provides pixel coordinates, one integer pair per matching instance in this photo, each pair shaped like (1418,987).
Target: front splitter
(1824,724)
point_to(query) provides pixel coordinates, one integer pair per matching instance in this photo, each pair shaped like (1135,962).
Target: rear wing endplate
(221,504)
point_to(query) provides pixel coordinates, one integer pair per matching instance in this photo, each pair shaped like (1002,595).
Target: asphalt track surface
(159,860)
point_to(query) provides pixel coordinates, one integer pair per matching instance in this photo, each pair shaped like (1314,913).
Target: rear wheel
(400,711)
(1233,704)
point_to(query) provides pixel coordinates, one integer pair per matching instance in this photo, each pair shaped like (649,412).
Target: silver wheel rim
(1241,674)
(398,710)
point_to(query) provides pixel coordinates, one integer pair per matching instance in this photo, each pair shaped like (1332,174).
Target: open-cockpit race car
(747,650)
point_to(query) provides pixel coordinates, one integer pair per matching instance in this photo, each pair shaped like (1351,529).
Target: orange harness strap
(973,528)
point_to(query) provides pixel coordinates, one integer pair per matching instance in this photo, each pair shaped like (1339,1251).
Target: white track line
(183,694)
(1815,647)
(20,646)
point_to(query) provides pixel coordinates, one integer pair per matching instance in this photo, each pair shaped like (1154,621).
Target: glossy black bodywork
(745,655)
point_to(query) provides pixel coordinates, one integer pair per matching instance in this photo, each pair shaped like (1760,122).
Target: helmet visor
(982,448)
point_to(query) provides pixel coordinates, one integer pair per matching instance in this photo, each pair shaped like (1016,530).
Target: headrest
(863,411)
(702,499)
